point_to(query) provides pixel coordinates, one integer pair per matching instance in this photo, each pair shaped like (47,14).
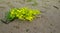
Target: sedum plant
(22,14)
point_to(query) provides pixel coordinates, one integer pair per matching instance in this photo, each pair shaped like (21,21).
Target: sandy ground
(49,22)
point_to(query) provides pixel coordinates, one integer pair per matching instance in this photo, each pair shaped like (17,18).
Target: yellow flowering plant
(22,14)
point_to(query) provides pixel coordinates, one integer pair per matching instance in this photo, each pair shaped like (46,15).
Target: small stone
(27,30)
(17,27)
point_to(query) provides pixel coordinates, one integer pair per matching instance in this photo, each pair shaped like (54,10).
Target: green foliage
(22,14)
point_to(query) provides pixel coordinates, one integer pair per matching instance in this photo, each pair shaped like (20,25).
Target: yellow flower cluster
(23,13)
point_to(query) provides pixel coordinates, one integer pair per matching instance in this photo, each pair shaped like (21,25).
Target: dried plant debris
(56,7)
(4,21)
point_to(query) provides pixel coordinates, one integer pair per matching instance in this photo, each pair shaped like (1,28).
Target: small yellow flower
(29,18)
(18,10)
(20,17)
(12,12)
(17,15)
(30,11)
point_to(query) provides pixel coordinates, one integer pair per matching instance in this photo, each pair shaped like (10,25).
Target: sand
(49,21)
